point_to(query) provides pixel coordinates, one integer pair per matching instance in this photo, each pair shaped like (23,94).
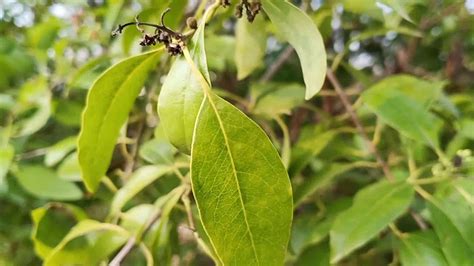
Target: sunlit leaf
(108,103)
(59,150)
(421,248)
(301,32)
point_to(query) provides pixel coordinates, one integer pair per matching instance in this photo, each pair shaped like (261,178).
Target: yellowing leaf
(108,103)
(301,32)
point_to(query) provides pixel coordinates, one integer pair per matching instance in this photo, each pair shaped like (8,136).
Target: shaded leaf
(181,95)
(59,150)
(6,156)
(374,208)
(250,44)
(70,169)
(108,103)
(316,255)
(141,178)
(421,248)
(301,32)
(44,183)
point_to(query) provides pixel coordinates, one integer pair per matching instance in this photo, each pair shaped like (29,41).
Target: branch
(279,62)
(347,105)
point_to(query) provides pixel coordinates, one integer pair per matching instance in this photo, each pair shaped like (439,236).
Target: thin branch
(348,106)
(279,62)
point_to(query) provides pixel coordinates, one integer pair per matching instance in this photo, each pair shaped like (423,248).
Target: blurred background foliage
(51,52)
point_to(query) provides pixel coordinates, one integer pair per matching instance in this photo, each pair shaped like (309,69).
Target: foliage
(214,132)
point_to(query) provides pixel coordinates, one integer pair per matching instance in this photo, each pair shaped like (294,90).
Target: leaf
(250,44)
(85,227)
(245,205)
(44,183)
(404,114)
(301,32)
(59,150)
(108,103)
(311,142)
(320,179)
(49,229)
(422,91)
(181,95)
(140,179)
(158,150)
(316,255)
(422,248)
(374,208)
(69,169)
(311,228)
(278,99)
(451,215)
(6,156)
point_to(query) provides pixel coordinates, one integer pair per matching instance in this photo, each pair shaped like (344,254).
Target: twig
(419,220)
(279,62)
(347,105)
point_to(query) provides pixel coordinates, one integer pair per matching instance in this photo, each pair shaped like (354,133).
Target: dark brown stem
(348,106)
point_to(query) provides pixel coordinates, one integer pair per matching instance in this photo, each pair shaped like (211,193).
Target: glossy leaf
(182,94)
(301,32)
(421,248)
(250,45)
(108,103)
(374,208)
(241,187)
(140,179)
(44,183)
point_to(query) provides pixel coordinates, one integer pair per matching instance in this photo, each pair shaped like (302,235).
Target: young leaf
(241,187)
(421,248)
(44,183)
(301,32)
(139,180)
(374,208)
(250,45)
(108,103)
(182,94)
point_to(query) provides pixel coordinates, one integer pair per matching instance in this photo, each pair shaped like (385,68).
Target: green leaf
(301,32)
(374,208)
(6,157)
(250,44)
(422,248)
(44,183)
(405,114)
(59,150)
(108,103)
(316,255)
(311,142)
(181,95)
(320,179)
(140,179)
(50,225)
(70,169)
(241,187)
(452,216)
(278,99)
(85,227)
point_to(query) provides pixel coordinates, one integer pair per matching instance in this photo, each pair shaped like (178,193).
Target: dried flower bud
(238,10)
(192,23)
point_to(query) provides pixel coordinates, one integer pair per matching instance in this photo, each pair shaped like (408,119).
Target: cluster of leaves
(169,163)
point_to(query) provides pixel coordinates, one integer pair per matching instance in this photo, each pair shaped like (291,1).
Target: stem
(347,105)
(286,149)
